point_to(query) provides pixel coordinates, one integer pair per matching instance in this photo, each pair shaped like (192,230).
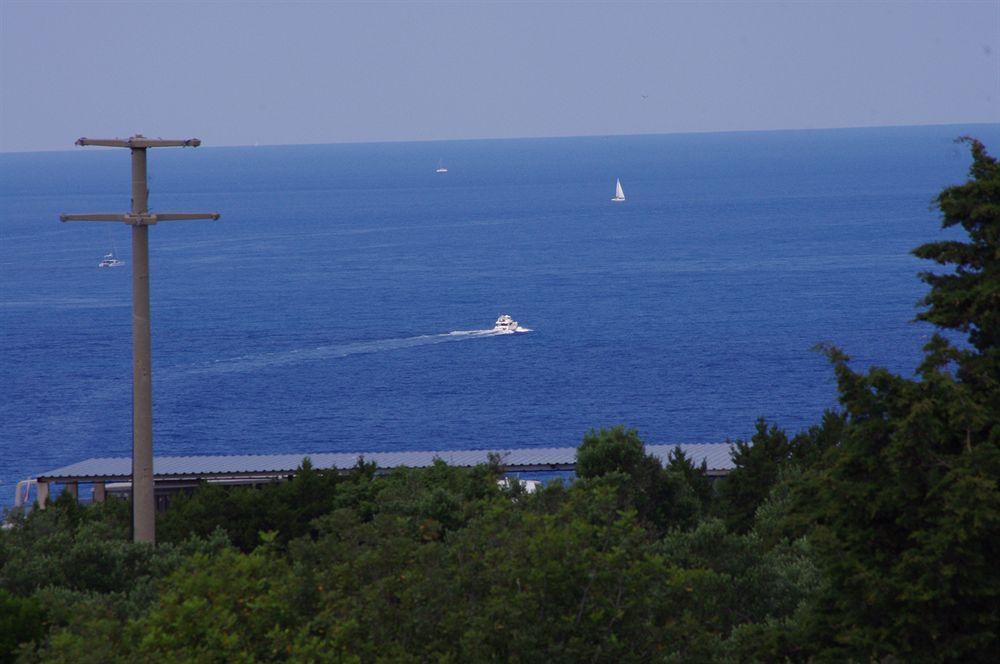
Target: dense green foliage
(871,536)
(662,497)
(905,510)
(22,620)
(288,508)
(414,565)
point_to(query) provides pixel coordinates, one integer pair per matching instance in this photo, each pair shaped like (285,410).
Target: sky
(244,73)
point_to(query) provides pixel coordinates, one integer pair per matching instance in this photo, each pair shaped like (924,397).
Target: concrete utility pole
(143,499)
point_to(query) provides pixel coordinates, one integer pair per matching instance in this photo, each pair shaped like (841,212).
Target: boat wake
(499,333)
(334,351)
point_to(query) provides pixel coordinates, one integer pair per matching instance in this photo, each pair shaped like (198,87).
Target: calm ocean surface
(316,314)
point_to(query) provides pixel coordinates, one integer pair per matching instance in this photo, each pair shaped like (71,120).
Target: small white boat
(110,260)
(619,193)
(505,324)
(441,168)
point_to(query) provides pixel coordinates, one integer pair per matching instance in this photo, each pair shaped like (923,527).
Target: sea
(344,300)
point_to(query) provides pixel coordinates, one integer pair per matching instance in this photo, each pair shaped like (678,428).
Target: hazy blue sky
(236,73)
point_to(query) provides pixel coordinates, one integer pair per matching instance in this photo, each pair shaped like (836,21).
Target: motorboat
(505,324)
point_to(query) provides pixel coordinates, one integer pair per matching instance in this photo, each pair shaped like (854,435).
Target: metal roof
(716,455)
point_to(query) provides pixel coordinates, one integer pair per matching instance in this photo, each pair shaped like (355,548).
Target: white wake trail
(334,351)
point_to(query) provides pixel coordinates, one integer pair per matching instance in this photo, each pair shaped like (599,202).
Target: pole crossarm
(184,216)
(97,216)
(140,219)
(140,141)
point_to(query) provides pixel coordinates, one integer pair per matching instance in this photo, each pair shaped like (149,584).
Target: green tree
(759,583)
(696,477)
(757,468)
(809,446)
(906,507)
(22,621)
(611,450)
(617,457)
(966,299)
(285,507)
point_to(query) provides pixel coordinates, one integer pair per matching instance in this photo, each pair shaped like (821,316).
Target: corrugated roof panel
(716,455)
(101,466)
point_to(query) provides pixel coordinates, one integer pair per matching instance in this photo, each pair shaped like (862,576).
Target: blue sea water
(319,313)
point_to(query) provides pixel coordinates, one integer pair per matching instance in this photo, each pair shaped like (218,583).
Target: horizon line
(557,136)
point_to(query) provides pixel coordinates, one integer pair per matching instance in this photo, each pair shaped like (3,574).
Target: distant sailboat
(619,194)
(441,168)
(111,258)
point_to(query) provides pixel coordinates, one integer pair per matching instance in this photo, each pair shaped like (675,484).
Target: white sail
(619,193)
(111,258)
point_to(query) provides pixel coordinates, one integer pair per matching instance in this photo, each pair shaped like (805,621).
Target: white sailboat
(441,168)
(619,193)
(111,258)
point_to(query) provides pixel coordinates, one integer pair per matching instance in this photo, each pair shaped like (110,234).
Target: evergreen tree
(696,477)
(906,507)
(758,466)
(967,299)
